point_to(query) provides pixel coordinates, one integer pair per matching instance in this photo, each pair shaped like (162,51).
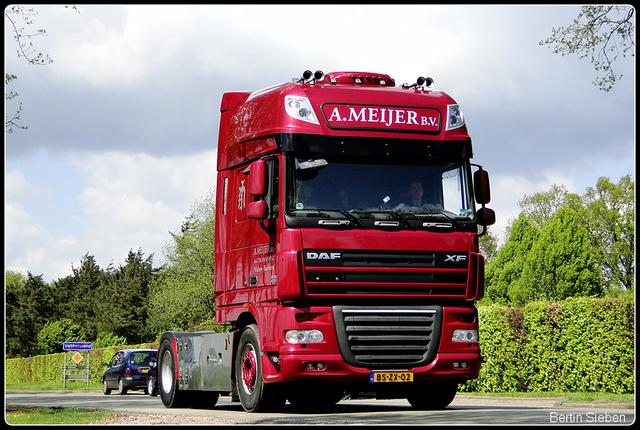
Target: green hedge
(579,345)
(43,368)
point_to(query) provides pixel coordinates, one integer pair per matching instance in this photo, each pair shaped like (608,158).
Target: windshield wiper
(452,221)
(349,216)
(352,217)
(400,217)
(395,215)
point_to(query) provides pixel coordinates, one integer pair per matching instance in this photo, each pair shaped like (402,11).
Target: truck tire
(436,396)
(318,398)
(171,396)
(255,395)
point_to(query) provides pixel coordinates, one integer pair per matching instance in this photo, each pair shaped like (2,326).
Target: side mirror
(258,210)
(105,364)
(486,216)
(258,178)
(481,186)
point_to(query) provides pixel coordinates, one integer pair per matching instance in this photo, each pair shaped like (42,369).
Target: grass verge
(53,386)
(38,415)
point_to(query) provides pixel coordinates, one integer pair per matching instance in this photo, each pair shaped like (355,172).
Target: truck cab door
(239,238)
(262,230)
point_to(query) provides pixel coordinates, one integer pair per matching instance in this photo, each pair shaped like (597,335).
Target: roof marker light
(455,118)
(300,108)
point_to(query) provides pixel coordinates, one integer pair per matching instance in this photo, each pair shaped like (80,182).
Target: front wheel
(433,396)
(305,398)
(254,394)
(105,388)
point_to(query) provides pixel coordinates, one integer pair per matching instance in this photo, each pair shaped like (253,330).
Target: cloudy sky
(123,124)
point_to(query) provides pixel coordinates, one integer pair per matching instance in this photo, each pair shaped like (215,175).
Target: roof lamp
(455,118)
(300,108)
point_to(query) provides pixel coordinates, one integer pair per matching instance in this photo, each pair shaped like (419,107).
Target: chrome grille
(388,338)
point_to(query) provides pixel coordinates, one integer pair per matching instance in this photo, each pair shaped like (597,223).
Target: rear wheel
(171,396)
(152,387)
(254,394)
(436,396)
(121,389)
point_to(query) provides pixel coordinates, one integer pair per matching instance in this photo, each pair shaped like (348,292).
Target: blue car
(128,370)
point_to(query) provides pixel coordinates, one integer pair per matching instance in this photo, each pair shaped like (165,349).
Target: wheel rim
(249,369)
(105,387)
(167,373)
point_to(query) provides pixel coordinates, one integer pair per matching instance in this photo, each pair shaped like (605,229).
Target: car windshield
(142,357)
(318,188)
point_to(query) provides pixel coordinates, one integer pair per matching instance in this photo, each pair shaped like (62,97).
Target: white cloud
(133,200)
(28,246)
(506,191)
(130,201)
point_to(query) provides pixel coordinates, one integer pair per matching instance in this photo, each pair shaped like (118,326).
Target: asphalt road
(470,410)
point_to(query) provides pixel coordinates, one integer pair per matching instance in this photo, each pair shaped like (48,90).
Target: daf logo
(323,255)
(455,258)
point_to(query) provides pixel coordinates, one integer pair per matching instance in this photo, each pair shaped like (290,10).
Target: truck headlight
(303,336)
(455,118)
(300,108)
(464,336)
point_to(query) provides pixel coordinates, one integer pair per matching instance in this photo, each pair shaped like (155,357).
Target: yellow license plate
(143,369)
(391,377)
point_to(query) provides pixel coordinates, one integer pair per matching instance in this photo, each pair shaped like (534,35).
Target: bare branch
(607,33)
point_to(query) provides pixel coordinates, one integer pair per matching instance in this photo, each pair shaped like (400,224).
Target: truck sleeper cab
(346,248)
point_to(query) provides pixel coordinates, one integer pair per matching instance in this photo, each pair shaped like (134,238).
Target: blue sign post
(86,346)
(75,346)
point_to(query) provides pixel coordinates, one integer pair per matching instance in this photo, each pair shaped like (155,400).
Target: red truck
(346,253)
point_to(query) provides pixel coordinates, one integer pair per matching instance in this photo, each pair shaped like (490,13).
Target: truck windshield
(322,188)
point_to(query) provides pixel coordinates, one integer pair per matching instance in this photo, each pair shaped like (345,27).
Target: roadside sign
(77,357)
(66,346)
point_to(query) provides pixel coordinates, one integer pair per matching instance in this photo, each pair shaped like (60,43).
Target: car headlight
(303,336)
(300,108)
(464,336)
(455,118)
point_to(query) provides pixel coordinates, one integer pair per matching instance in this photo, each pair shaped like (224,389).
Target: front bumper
(304,367)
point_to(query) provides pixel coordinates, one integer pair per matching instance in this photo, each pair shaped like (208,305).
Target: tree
(29,304)
(182,293)
(122,307)
(83,295)
(505,271)
(109,339)
(12,122)
(18,16)
(560,263)
(54,334)
(601,33)
(540,207)
(609,218)
(488,245)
